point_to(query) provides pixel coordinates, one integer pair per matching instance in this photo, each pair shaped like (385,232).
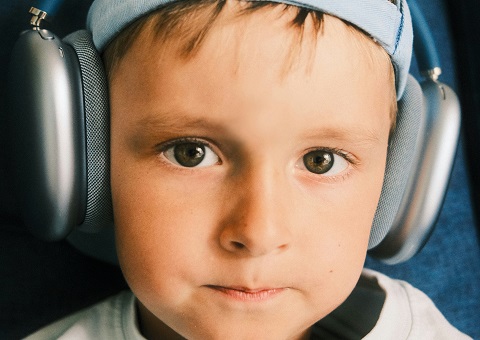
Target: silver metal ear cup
(97,126)
(48,134)
(426,189)
(403,150)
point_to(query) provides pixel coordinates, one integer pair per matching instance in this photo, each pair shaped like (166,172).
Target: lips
(247,294)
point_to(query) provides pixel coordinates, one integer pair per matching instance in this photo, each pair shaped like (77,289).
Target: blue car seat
(44,281)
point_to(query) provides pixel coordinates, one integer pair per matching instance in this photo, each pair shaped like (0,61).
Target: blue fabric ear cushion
(97,126)
(403,146)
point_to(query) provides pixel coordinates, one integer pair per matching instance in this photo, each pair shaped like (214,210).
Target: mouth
(248,294)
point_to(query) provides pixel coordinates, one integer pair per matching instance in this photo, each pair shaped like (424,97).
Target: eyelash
(167,145)
(340,152)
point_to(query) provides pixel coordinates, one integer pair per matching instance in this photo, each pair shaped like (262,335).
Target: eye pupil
(189,154)
(318,161)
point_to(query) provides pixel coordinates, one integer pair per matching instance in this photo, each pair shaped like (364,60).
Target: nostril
(238,245)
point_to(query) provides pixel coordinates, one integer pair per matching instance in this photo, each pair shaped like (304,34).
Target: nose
(258,221)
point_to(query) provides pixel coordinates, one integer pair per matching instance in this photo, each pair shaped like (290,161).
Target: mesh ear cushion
(97,131)
(404,143)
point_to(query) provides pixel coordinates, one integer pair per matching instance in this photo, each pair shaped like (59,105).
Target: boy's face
(224,230)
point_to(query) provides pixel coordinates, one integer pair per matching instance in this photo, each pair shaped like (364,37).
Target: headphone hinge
(38,16)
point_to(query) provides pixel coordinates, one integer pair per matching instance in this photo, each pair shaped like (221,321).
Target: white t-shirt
(403,313)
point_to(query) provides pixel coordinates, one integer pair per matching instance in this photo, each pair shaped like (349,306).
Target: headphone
(59,105)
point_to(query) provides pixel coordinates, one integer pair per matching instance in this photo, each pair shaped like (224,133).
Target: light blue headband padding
(389,24)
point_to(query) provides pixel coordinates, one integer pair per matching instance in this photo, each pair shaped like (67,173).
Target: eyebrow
(175,122)
(170,124)
(356,135)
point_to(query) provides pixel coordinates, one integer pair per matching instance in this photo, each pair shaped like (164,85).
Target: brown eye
(191,154)
(318,161)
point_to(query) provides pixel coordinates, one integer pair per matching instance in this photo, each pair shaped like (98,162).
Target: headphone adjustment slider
(38,16)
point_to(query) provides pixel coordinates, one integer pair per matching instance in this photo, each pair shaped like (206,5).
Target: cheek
(338,239)
(344,212)
(162,227)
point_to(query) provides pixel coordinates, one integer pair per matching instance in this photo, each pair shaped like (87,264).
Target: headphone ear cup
(426,188)
(47,133)
(404,146)
(97,131)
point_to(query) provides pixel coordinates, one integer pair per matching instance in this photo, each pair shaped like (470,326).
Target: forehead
(336,72)
(182,27)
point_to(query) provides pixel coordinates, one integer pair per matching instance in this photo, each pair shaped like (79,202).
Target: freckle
(331,271)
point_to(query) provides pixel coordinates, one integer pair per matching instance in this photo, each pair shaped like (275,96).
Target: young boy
(248,147)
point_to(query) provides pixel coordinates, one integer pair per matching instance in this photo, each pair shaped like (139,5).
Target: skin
(251,244)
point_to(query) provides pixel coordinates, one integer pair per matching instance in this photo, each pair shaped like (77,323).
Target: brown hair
(189,21)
